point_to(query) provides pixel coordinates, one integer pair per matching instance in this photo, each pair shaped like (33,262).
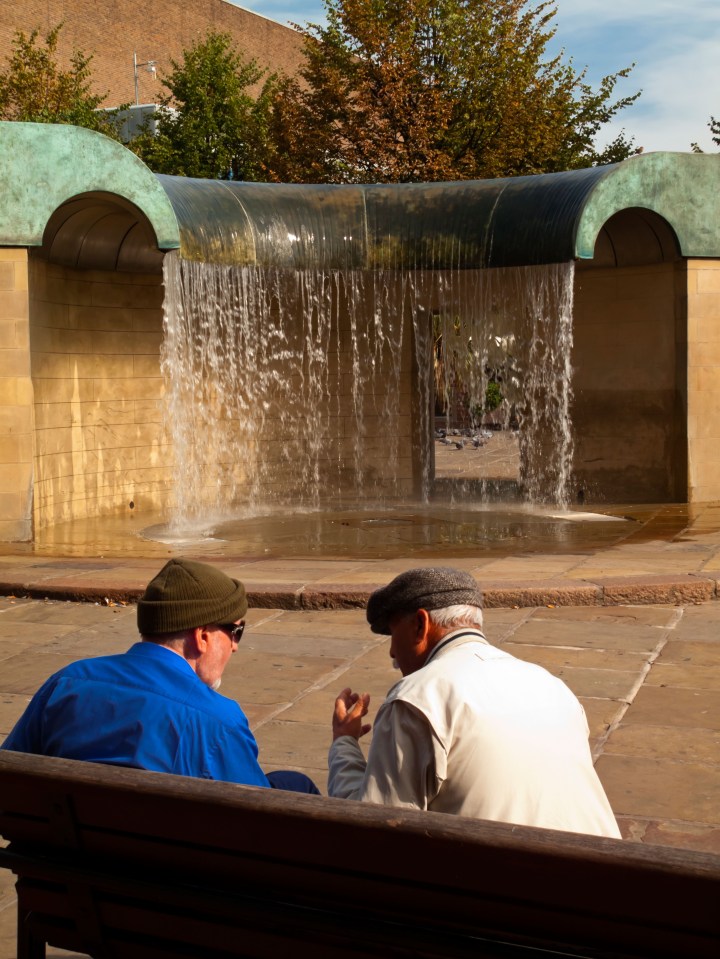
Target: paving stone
(519,570)
(499,633)
(660,789)
(15,637)
(315,708)
(665,742)
(257,617)
(92,641)
(284,745)
(611,616)
(64,613)
(256,713)
(295,625)
(12,706)
(682,835)
(636,560)
(706,613)
(251,677)
(377,659)
(20,673)
(273,690)
(267,569)
(252,663)
(79,589)
(686,676)
(601,713)
(695,629)
(273,596)
(691,652)
(362,577)
(8,913)
(129,578)
(657,589)
(554,632)
(670,706)
(541,593)
(386,569)
(557,657)
(272,643)
(336,595)
(504,616)
(322,618)
(600,683)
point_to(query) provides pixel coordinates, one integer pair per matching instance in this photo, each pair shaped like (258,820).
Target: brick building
(115,32)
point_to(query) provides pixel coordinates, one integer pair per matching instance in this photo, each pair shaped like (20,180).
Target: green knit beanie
(186,594)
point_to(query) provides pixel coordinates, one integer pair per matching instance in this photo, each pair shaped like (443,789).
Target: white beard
(216,685)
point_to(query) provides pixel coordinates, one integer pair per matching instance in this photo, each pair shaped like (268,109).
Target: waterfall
(309,387)
(514,326)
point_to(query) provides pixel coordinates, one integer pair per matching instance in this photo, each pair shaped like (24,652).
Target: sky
(675,47)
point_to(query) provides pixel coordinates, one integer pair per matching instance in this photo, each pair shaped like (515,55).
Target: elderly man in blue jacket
(156,706)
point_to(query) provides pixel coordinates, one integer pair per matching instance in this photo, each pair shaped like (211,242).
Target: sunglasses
(234,631)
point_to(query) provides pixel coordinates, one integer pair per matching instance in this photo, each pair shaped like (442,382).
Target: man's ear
(423,626)
(197,641)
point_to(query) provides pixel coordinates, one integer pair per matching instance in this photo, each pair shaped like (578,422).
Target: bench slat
(365,865)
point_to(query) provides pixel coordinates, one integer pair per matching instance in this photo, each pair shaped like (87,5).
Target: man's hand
(350,708)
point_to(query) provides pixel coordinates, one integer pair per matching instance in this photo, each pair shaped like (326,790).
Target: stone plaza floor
(634,630)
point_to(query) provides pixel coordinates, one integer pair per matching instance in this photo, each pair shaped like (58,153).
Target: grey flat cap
(432,587)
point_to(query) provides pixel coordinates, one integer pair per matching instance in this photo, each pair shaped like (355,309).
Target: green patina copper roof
(683,188)
(44,164)
(519,221)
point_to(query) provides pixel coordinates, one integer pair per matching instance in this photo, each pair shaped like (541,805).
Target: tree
(418,90)
(210,126)
(34,88)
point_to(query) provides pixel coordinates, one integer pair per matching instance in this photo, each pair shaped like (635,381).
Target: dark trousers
(292,781)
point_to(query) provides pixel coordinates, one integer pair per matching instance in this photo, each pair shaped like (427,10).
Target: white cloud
(675,48)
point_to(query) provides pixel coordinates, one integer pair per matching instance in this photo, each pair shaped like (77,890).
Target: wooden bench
(117,862)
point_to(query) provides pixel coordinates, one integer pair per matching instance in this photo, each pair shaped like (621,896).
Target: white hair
(459,615)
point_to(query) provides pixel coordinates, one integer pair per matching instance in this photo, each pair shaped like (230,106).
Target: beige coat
(477,732)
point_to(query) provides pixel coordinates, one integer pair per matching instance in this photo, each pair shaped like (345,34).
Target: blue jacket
(144,708)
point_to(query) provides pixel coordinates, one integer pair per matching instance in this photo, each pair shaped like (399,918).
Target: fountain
(290,384)
(207,347)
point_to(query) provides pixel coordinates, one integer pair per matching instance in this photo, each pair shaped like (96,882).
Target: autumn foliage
(422,90)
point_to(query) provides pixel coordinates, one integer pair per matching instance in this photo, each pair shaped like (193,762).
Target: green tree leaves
(211,125)
(33,87)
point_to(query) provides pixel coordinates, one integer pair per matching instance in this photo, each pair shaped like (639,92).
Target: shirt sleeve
(406,763)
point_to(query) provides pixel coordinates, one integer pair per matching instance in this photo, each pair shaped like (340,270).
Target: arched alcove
(634,237)
(101,231)
(629,363)
(95,307)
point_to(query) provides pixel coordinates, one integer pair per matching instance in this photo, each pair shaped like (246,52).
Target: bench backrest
(262,868)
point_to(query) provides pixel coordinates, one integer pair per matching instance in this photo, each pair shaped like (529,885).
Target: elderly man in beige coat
(470,729)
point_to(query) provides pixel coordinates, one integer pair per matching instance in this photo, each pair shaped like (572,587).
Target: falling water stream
(285,387)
